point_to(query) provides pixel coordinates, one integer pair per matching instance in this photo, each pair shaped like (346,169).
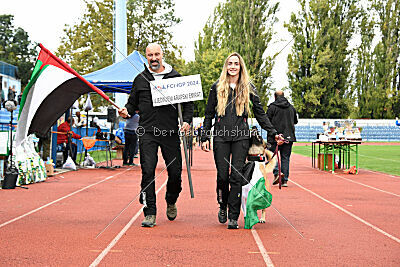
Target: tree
(209,64)
(376,78)
(386,63)
(16,48)
(363,80)
(87,45)
(319,65)
(244,27)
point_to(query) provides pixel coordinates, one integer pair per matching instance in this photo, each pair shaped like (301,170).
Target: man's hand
(123,112)
(205,146)
(279,139)
(185,127)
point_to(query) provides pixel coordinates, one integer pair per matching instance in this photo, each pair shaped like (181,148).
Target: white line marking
(377,189)
(262,249)
(382,173)
(384,159)
(350,214)
(57,200)
(120,234)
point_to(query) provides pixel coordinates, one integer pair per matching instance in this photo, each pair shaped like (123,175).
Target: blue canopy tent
(118,77)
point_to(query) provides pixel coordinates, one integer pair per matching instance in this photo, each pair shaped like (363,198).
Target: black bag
(248,170)
(10,178)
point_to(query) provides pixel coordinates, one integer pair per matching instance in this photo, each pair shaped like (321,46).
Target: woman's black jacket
(232,127)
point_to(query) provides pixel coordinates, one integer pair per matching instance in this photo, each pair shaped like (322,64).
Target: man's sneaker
(222,215)
(171,211)
(284,184)
(276,179)
(149,221)
(233,224)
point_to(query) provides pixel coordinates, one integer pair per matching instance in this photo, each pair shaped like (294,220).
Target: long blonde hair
(242,89)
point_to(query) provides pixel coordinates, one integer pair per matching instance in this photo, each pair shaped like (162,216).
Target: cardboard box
(49,169)
(328,161)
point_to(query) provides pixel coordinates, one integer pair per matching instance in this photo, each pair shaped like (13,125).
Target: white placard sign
(176,90)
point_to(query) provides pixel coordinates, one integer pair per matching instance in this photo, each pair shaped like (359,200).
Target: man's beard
(155,67)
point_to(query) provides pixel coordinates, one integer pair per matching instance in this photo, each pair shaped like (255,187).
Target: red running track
(321,219)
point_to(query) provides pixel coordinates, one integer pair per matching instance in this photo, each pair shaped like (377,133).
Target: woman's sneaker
(276,178)
(222,215)
(233,224)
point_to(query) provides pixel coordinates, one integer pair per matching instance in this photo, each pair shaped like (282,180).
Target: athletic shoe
(222,215)
(233,224)
(149,221)
(284,184)
(276,179)
(171,211)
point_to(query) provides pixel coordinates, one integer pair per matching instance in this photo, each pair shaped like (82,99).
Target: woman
(229,103)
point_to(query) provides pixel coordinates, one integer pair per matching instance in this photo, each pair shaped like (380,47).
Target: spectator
(44,144)
(80,122)
(119,133)
(64,137)
(11,95)
(283,116)
(130,140)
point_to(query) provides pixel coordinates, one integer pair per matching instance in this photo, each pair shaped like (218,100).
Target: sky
(194,14)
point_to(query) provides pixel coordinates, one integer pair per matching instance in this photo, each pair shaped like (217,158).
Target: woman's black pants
(231,156)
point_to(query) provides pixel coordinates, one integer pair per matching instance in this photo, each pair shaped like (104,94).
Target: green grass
(385,158)
(98,156)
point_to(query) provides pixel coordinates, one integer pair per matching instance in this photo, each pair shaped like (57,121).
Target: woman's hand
(205,146)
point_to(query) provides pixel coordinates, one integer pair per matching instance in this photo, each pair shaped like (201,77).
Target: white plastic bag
(89,161)
(69,164)
(30,166)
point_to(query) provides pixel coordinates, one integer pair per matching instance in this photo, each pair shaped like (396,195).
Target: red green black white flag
(53,88)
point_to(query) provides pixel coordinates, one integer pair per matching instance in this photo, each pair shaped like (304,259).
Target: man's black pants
(285,151)
(70,146)
(171,152)
(231,197)
(130,146)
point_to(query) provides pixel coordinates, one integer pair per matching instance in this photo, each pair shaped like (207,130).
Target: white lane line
(58,200)
(377,189)
(374,188)
(382,173)
(262,249)
(384,159)
(350,214)
(120,234)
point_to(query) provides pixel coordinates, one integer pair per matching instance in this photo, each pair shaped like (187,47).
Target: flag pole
(71,70)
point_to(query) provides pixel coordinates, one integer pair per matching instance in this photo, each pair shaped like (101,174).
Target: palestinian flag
(53,88)
(254,194)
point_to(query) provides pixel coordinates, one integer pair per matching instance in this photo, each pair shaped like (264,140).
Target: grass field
(98,156)
(382,158)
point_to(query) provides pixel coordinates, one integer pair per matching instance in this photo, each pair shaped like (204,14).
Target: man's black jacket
(232,127)
(283,116)
(155,119)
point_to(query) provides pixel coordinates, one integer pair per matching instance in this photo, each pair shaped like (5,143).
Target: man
(80,122)
(283,117)
(130,139)
(158,127)
(64,137)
